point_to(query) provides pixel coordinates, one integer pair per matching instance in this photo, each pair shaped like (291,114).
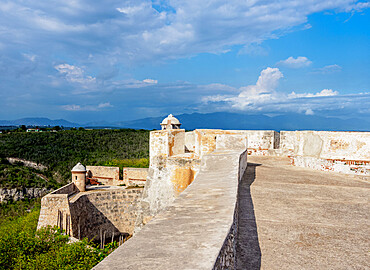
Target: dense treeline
(60,151)
(22,247)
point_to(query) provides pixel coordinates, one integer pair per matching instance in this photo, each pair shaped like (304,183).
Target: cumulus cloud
(263,97)
(141,30)
(299,62)
(67,43)
(261,92)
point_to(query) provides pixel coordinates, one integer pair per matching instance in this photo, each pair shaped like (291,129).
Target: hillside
(60,151)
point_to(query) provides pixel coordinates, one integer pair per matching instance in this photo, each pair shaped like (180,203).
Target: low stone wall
(262,142)
(345,152)
(196,231)
(67,189)
(104,212)
(104,174)
(134,176)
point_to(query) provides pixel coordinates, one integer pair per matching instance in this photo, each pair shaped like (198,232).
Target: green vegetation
(22,247)
(13,176)
(12,210)
(60,151)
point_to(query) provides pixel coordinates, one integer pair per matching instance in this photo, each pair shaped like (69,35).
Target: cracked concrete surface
(297,218)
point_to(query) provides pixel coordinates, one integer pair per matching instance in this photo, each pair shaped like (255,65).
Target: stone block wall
(166,143)
(55,211)
(134,176)
(103,213)
(346,152)
(262,142)
(104,174)
(67,189)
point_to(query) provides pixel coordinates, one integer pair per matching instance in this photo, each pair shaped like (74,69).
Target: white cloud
(140,30)
(299,62)
(264,97)
(251,95)
(322,93)
(151,81)
(261,92)
(75,74)
(309,112)
(105,105)
(74,107)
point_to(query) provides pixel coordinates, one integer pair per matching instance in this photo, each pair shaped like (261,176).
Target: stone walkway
(297,218)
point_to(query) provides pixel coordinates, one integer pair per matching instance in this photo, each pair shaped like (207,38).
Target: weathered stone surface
(104,211)
(196,231)
(344,152)
(105,175)
(134,176)
(100,211)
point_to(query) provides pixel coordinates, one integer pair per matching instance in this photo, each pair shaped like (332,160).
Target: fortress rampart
(199,229)
(101,212)
(190,202)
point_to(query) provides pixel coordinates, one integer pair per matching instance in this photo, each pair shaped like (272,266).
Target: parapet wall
(135,176)
(104,174)
(346,152)
(196,231)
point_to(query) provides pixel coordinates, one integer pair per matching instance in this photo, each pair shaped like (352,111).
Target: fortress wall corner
(104,213)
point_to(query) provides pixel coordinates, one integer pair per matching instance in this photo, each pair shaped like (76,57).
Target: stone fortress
(197,204)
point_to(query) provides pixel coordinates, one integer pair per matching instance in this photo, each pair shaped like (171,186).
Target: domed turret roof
(173,120)
(79,168)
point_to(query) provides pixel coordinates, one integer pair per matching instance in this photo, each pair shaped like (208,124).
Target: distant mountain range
(221,120)
(38,121)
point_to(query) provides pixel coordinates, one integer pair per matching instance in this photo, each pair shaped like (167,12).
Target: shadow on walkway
(248,248)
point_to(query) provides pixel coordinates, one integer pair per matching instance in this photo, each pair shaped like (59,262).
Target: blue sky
(121,60)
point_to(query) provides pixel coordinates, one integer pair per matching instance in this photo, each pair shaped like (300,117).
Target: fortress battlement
(190,204)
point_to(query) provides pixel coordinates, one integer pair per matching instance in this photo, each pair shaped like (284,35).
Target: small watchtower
(170,122)
(79,176)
